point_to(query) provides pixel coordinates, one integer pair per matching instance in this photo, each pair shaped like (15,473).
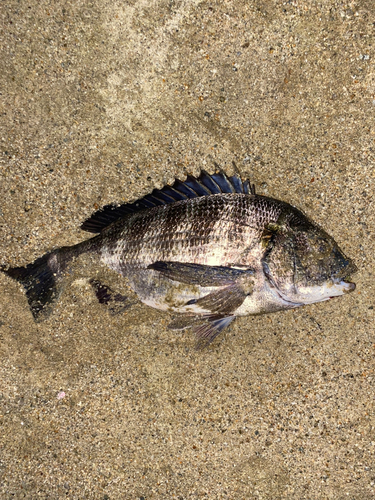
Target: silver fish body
(209,249)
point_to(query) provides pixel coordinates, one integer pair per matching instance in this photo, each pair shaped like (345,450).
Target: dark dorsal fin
(205,185)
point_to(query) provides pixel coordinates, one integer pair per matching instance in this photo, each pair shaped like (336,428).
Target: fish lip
(347,285)
(342,277)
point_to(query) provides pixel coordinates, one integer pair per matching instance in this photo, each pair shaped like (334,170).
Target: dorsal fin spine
(183,187)
(212,180)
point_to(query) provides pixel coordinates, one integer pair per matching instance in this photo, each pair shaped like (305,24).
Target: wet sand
(102,102)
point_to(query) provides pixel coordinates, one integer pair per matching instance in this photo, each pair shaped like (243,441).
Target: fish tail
(43,278)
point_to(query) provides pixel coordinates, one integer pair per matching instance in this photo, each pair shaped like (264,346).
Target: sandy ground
(101,102)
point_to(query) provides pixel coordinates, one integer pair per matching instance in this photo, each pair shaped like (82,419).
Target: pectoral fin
(223,301)
(218,307)
(199,274)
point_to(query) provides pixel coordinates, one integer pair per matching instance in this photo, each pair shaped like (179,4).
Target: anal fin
(116,302)
(183,321)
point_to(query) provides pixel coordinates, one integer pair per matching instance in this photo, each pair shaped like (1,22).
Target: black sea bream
(209,249)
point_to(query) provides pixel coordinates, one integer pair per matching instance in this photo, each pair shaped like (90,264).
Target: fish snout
(346,266)
(349,287)
(346,286)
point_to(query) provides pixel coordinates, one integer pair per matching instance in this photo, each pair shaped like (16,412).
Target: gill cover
(302,262)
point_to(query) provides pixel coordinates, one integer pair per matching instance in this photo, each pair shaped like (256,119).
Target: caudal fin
(42,280)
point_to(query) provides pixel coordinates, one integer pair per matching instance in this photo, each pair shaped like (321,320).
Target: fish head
(303,264)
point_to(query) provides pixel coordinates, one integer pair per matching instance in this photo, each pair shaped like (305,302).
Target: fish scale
(198,230)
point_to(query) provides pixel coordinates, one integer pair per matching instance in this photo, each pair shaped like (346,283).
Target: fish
(207,249)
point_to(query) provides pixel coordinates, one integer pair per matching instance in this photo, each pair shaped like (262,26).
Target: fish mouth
(346,285)
(342,279)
